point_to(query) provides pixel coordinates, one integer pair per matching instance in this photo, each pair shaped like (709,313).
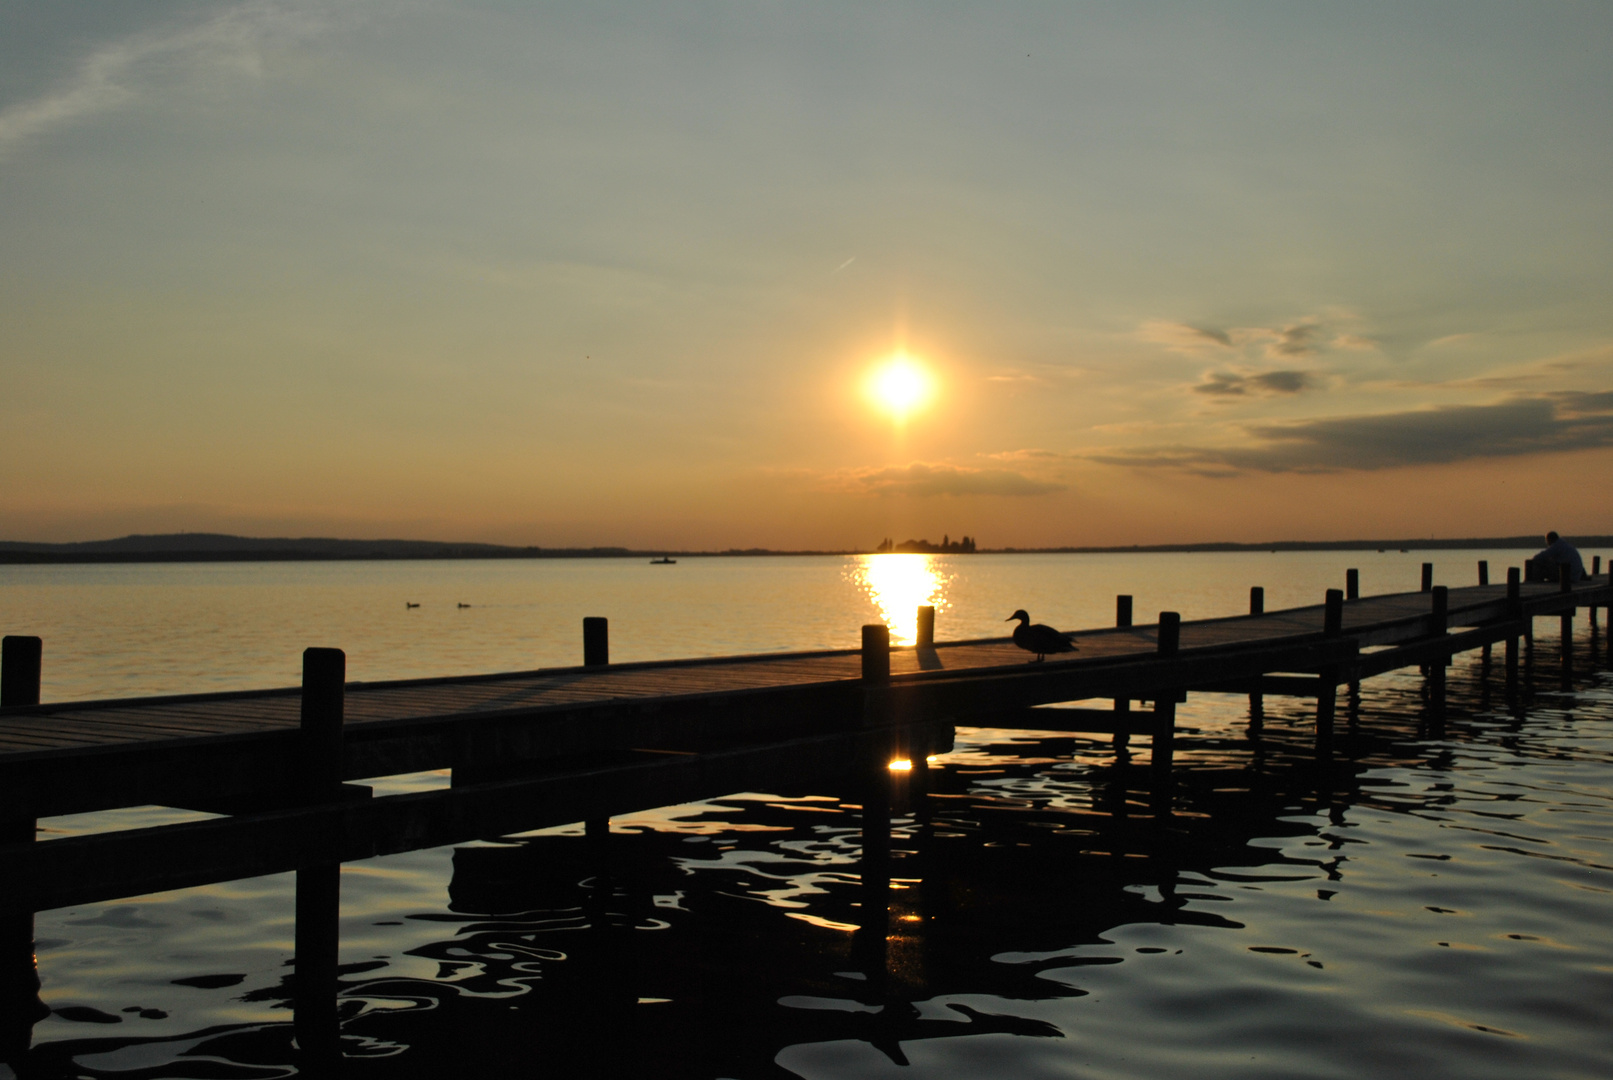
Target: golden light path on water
(898,585)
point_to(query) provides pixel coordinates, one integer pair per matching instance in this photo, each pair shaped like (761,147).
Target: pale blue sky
(612,273)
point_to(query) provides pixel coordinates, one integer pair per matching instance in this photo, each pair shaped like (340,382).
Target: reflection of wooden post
(1257,700)
(1164,727)
(319,878)
(319,902)
(20,1007)
(875,869)
(1515,614)
(1122,737)
(1566,579)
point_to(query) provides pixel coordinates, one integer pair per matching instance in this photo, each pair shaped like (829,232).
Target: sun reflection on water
(898,585)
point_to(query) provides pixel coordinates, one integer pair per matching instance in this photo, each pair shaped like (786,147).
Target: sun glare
(900,386)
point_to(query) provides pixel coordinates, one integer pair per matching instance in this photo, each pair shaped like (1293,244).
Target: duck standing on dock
(1037,638)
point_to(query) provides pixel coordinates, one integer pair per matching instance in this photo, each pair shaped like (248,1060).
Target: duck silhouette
(1036,638)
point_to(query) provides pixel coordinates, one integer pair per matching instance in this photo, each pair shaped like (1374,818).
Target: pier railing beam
(595,641)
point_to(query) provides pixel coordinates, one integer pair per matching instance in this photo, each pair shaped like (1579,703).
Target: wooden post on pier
(1122,737)
(324,677)
(924,636)
(595,641)
(319,878)
(1328,676)
(1164,726)
(876,674)
(1428,577)
(1438,618)
(1352,584)
(1484,571)
(20,670)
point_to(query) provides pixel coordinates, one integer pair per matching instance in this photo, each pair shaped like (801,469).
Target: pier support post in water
(1428,577)
(1566,578)
(1122,738)
(20,1007)
(1352,584)
(1257,700)
(1328,677)
(924,637)
(319,878)
(595,641)
(1164,726)
(1514,613)
(1437,620)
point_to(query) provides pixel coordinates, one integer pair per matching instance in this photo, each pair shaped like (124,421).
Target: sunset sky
(620,273)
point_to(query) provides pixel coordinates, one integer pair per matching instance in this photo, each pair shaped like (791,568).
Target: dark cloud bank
(1522,425)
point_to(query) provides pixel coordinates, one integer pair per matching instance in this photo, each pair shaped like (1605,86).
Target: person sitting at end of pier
(1560,552)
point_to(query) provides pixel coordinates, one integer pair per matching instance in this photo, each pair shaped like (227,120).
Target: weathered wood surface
(185,750)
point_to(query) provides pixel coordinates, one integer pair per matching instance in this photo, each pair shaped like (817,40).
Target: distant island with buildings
(218,547)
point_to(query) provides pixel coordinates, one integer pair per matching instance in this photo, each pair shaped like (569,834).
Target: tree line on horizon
(963,545)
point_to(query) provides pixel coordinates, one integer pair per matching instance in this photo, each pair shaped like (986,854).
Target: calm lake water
(1431,904)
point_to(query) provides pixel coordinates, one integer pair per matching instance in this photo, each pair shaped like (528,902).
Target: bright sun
(900,385)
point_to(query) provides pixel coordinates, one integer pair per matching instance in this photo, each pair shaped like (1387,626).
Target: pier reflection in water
(1423,902)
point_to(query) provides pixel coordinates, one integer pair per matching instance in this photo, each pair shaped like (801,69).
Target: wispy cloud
(116,74)
(1521,425)
(1182,337)
(924,480)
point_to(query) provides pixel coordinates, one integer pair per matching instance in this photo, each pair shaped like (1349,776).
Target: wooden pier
(283,768)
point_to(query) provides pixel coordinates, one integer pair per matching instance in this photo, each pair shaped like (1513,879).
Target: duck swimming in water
(1036,638)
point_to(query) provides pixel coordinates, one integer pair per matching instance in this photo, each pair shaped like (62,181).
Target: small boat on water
(663,561)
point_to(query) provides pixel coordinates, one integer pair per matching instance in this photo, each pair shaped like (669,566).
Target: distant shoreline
(210,547)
